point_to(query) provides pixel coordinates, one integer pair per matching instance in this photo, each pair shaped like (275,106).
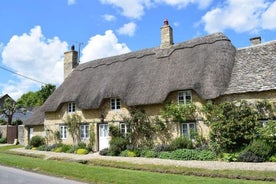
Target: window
(115,103)
(84,131)
(184,97)
(71,107)
(123,129)
(63,131)
(187,129)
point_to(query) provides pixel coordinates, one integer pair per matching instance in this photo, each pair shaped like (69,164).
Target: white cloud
(183,3)
(269,17)
(71,2)
(131,9)
(109,17)
(100,46)
(127,29)
(241,16)
(34,56)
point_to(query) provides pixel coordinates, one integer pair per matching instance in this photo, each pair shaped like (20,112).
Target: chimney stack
(70,61)
(166,35)
(255,40)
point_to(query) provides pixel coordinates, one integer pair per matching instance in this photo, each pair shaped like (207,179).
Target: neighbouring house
(198,70)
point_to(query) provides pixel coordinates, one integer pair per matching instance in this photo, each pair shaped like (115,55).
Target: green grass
(99,174)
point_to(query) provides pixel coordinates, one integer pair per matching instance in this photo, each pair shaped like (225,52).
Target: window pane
(185,129)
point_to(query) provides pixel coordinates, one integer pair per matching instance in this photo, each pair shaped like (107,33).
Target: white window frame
(71,107)
(115,103)
(84,131)
(123,129)
(189,126)
(184,97)
(63,131)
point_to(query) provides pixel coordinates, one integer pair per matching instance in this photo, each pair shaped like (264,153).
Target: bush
(184,154)
(37,141)
(29,147)
(65,148)
(104,152)
(124,153)
(248,156)
(164,155)
(206,155)
(162,147)
(230,157)
(3,140)
(272,158)
(131,154)
(82,151)
(256,151)
(82,145)
(117,145)
(44,148)
(58,150)
(150,154)
(182,142)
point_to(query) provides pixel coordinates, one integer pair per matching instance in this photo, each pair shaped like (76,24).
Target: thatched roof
(254,69)
(148,76)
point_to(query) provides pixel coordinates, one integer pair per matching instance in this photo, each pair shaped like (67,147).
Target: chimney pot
(166,22)
(73,47)
(256,40)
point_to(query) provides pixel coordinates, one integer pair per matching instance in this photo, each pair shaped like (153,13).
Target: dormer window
(71,107)
(115,103)
(184,97)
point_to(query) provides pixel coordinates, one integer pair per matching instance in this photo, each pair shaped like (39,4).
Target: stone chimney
(70,61)
(256,40)
(166,35)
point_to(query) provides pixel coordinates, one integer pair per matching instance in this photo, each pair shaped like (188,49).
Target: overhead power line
(21,75)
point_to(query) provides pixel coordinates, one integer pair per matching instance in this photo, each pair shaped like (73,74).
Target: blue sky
(35,34)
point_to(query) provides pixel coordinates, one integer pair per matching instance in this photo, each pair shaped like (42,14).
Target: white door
(103,136)
(31,133)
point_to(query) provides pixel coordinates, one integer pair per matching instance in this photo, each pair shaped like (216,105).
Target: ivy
(180,112)
(72,121)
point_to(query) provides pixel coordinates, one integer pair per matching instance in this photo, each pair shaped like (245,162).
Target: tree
(35,99)
(8,109)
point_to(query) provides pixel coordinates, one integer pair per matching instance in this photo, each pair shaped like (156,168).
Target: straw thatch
(147,77)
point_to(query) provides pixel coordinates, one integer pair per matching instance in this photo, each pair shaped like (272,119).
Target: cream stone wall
(93,116)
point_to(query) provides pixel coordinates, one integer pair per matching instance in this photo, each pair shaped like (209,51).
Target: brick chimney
(70,61)
(256,40)
(166,35)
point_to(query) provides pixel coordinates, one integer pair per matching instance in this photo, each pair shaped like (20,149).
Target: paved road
(9,175)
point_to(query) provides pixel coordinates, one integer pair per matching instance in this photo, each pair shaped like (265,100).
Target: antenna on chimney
(79,47)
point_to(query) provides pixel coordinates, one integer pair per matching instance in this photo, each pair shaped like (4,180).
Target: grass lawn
(100,174)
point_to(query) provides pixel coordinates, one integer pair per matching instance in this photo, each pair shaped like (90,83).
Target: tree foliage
(233,125)
(35,99)
(8,109)
(180,112)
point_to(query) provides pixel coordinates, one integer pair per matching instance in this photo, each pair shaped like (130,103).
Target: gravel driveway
(214,165)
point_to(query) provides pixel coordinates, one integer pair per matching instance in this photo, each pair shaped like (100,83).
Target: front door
(103,136)
(31,132)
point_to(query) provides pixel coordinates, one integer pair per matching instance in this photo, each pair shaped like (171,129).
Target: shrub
(184,154)
(131,154)
(248,156)
(65,148)
(117,145)
(114,131)
(206,155)
(104,151)
(162,147)
(82,151)
(44,148)
(257,151)
(272,158)
(37,141)
(28,147)
(150,154)
(124,153)
(58,150)
(82,145)
(181,143)
(3,140)
(164,155)
(230,157)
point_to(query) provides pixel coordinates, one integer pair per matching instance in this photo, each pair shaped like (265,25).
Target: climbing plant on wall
(72,121)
